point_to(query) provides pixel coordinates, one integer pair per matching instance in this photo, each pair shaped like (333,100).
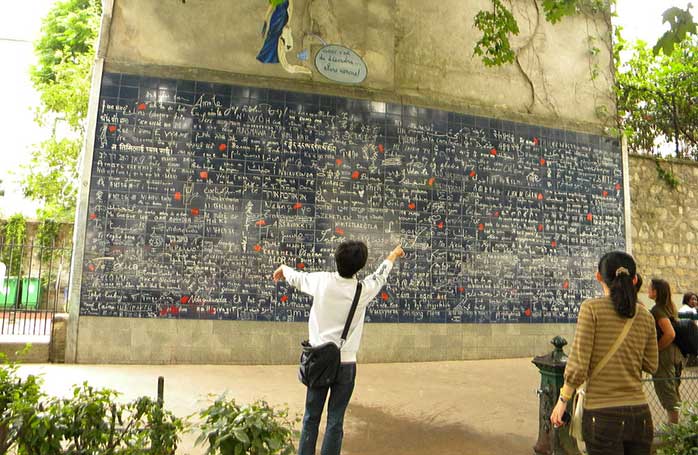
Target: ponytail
(624,295)
(617,270)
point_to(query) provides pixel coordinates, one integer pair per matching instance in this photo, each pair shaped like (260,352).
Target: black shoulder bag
(686,336)
(319,365)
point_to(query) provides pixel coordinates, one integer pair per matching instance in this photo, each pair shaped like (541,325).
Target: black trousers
(626,430)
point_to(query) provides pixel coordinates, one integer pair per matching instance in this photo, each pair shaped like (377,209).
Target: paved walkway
(482,407)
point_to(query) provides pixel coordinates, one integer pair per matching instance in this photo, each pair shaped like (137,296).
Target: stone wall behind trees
(665,222)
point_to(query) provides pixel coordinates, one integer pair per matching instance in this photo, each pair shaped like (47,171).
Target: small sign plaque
(340,64)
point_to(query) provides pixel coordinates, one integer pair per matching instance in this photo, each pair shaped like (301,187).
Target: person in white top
(690,303)
(332,295)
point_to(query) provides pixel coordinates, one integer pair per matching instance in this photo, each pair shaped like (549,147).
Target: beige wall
(418,52)
(157,341)
(665,223)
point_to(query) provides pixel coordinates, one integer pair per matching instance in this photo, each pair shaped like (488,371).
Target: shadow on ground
(371,431)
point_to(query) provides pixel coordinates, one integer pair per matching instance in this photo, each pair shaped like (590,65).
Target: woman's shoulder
(597,302)
(644,313)
(659,312)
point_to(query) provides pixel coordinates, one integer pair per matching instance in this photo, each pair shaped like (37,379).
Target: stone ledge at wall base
(14,351)
(171,341)
(58,338)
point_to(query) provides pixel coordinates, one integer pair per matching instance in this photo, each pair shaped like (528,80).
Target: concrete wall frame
(418,53)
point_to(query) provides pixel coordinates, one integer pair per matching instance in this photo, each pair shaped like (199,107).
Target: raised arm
(304,282)
(375,281)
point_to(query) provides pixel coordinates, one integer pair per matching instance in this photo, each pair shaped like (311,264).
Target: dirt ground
(483,407)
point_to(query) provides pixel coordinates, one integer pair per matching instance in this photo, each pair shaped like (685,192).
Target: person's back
(333,294)
(616,418)
(619,382)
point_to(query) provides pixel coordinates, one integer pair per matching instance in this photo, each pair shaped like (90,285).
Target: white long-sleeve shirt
(687,309)
(332,298)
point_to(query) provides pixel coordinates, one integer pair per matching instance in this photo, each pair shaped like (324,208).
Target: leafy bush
(251,429)
(682,438)
(90,422)
(18,402)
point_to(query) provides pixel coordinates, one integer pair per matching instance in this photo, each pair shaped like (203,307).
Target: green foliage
(555,10)
(667,176)
(51,177)
(494,46)
(253,429)
(47,233)
(65,53)
(681,24)
(91,421)
(19,400)
(657,97)
(681,438)
(68,32)
(13,235)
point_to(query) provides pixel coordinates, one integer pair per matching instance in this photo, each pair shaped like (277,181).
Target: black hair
(687,298)
(617,270)
(663,296)
(638,284)
(350,257)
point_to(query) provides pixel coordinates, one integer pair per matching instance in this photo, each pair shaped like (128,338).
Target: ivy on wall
(496,26)
(494,47)
(667,176)
(14,233)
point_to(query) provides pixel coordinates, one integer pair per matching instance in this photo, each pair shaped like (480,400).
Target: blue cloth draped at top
(277,22)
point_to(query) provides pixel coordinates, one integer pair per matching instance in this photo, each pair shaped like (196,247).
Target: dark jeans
(626,430)
(340,393)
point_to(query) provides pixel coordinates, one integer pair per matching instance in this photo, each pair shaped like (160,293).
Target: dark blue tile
(129,93)
(276,95)
(111,91)
(130,80)
(167,84)
(237,91)
(211,88)
(111,79)
(149,82)
(259,94)
(482,122)
(186,86)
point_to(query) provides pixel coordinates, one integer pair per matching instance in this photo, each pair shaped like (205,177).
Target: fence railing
(688,391)
(33,286)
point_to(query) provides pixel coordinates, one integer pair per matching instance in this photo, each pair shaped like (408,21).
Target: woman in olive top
(617,419)
(668,376)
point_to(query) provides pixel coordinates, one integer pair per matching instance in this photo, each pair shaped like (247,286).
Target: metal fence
(33,287)
(688,391)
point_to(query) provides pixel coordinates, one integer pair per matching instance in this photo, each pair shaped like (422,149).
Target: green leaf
(494,46)
(681,24)
(555,10)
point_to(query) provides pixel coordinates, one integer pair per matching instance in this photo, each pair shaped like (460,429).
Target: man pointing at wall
(333,294)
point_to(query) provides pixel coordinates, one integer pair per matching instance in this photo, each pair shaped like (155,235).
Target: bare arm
(668,333)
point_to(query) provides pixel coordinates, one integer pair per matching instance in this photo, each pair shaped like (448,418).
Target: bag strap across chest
(350,317)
